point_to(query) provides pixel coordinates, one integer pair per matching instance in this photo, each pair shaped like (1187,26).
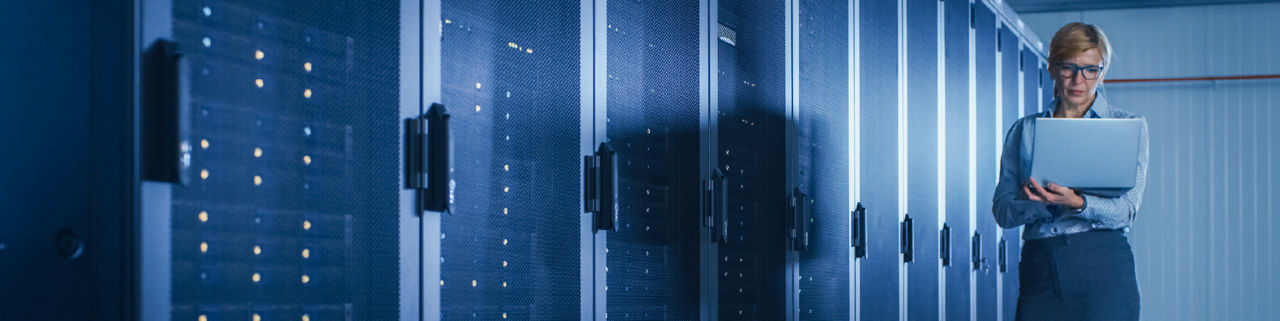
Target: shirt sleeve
(1120,212)
(1010,211)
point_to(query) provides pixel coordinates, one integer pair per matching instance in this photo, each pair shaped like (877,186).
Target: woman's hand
(1054,194)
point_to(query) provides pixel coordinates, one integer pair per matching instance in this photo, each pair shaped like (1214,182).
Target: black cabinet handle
(944,247)
(798,220)
(429,159)
(166,116)
(908,240)
(720,206)
(802,220)
(1003,257)
(858,229)
(976,250)
(600,183)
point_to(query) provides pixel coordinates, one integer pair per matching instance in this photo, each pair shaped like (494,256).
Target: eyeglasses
(1068,71)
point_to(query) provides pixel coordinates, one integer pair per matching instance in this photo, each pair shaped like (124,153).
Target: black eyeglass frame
(1077,69)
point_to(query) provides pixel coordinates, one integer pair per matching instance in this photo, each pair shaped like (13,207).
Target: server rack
(751,100)
(921,229)
(1010,111)
(988,137)
(878,186)
(821,122)
(653,122)
(960,117)
(298,142)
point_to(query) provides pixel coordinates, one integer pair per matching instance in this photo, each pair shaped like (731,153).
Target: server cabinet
(1031,65)
(822,127)
(653,123)
(512,248)
(752,155)
(291,207)
(959,145)
(1010,111)
(67,235)
(1047,87)
(989,135)
(878,169)
(920,227)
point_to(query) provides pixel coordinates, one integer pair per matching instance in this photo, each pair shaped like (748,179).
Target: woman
(1076,261)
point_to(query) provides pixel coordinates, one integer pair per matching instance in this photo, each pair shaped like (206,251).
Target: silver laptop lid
(1095,155)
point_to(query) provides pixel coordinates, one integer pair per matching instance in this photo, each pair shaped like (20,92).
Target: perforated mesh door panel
(1030,82)
(752,153)
(1011,62)
(510,76)
(989,134)
(1047,85)
(957,140)
(292,212)
(878,177)
(653,124)
(823,131)
(922,157)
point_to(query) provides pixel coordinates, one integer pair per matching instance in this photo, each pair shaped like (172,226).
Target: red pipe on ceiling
(1139,80)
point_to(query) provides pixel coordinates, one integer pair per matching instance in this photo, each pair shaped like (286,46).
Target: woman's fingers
(1035,186)
(1031,195)
(1059,189)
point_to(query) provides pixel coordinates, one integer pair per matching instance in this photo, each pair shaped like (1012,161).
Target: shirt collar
(1100,108)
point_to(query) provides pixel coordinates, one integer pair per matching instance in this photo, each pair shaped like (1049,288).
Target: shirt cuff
(1033,210)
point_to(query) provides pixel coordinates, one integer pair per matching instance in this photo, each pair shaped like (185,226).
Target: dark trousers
(1083,276)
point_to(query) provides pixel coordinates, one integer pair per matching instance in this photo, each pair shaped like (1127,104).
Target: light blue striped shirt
(1012,209)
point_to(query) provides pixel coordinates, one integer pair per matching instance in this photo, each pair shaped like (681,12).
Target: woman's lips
(1076,92)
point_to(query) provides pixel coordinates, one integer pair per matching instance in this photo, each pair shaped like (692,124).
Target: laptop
(1095,156)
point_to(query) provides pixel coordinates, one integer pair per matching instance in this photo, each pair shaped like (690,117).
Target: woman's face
(1077,90)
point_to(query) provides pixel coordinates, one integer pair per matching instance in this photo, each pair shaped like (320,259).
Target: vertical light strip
(942,154)
(902,151)
(855,153)
(587,136)
(792,268)
(999,147)
(430,227)
(973,162)
(708,80)
(600,94)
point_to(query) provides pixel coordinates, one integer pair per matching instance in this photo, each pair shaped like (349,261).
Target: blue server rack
(878,157)
(1007,245)
(297,204)
(959,119)
(511,247)
(653,124)
(752,154)
(922,159)
(1031,65)
(291,210)
(1047,87)
(989,134)
(822,151)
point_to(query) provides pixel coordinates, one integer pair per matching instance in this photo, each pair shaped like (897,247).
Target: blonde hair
(1075,38)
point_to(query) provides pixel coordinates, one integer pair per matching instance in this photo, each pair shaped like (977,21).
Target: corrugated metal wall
(1203,240)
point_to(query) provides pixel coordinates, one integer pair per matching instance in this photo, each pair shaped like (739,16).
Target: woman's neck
(1067,110)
